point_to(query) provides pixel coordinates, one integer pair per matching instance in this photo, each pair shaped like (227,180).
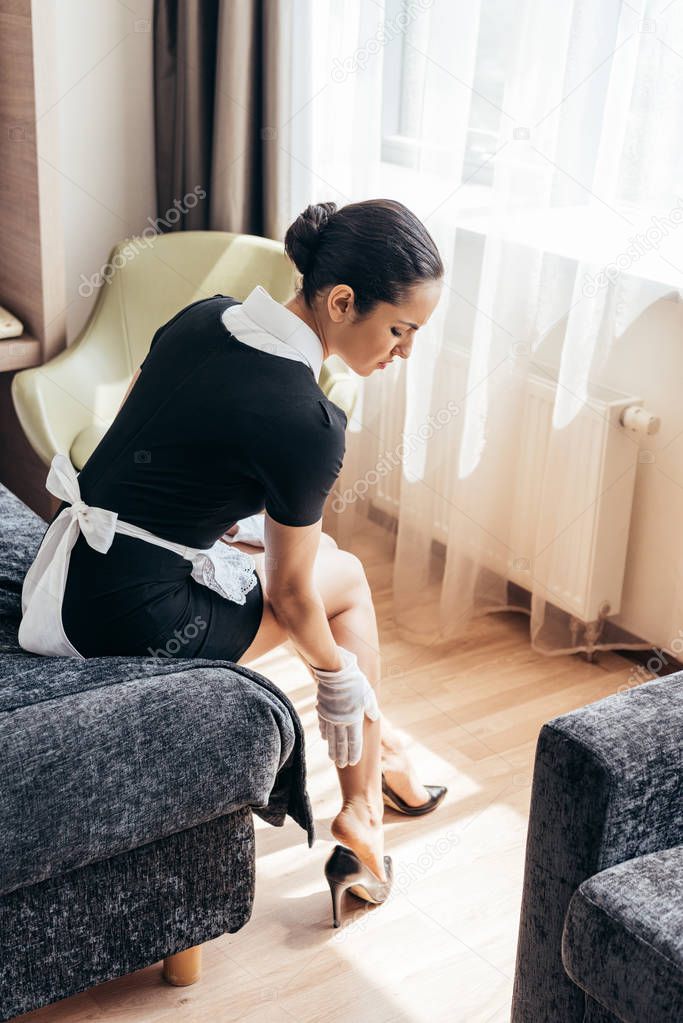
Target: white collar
(273,317)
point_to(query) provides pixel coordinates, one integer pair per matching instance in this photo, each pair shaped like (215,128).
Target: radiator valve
(638,420)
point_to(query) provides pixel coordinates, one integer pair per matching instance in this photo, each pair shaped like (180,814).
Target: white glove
(344,698)
(250,530)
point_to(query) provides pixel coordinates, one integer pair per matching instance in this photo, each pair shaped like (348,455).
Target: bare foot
(357,827)
(400,775)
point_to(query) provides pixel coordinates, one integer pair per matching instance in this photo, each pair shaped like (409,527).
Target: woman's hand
(344,698)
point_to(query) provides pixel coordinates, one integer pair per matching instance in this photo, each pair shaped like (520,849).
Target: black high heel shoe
(343,869)
(392,799)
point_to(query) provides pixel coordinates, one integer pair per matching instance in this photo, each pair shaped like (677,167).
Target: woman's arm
(290,554)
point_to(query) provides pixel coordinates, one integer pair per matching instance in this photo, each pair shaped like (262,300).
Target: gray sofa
(601,927)
(127,800)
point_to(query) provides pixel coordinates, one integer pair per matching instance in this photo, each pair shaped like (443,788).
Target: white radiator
(581,563)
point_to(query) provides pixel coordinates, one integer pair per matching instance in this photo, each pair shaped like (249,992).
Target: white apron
(227,570)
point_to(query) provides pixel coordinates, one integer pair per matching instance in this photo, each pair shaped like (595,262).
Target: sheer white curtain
(535,141)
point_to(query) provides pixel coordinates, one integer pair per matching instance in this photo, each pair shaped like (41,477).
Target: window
(406,64)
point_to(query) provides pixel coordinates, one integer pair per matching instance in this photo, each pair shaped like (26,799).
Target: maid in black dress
(225,419)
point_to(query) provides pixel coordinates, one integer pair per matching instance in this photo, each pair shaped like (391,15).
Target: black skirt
(141,599)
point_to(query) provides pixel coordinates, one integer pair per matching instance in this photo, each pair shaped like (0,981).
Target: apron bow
(98,525)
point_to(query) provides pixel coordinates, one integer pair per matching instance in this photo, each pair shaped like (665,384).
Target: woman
(224,419)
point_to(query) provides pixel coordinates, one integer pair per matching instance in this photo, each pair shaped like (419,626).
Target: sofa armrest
(607,786)
(102,755)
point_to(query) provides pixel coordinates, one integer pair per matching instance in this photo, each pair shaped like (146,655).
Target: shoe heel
(341,871)
(344,870)
(337,889)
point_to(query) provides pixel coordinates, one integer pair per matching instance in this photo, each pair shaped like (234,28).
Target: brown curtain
(220,95)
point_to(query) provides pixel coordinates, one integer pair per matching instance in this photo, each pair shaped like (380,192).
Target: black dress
(214,430)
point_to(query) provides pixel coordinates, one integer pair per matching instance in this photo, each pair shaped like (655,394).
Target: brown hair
(378,247)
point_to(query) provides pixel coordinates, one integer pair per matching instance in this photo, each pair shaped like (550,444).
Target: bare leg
(355,628)
(398,768)
(352,622)
(347,598)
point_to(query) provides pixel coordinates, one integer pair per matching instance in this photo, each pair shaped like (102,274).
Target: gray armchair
(126,808)
(601,928)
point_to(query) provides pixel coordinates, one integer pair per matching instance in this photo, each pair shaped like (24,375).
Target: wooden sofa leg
(184,967)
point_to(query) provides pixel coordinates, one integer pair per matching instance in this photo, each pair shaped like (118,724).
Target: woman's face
(386,334)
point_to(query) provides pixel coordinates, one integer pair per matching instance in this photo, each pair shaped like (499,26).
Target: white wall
(648,362)
(104,105)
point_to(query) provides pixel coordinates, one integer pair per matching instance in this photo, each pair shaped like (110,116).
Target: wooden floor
(442,948)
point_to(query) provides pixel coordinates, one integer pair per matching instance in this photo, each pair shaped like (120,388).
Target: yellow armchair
(68,404)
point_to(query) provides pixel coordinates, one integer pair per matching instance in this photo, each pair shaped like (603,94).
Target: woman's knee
(340,579)
(357,572)
(352,569)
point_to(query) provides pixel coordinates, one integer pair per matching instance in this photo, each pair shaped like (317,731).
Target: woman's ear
(339,302)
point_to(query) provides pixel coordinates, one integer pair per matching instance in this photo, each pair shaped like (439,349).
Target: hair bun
(303,236)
